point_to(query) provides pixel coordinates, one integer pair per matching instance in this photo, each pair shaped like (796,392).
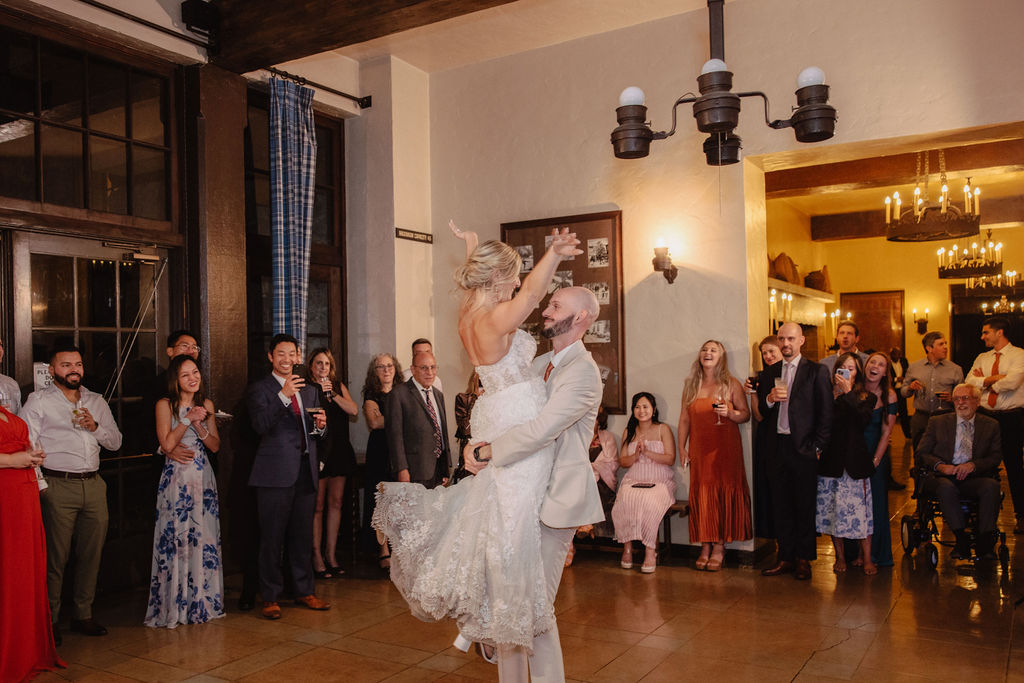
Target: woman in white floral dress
(187,584)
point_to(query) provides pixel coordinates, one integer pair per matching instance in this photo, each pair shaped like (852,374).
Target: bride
(472,551)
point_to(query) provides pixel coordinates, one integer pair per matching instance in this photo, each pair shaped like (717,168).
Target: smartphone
(299,369)
(844,373)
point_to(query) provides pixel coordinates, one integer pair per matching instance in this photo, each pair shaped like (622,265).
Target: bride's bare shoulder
(484,343)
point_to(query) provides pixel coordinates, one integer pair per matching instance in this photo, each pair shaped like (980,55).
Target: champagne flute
(721,396)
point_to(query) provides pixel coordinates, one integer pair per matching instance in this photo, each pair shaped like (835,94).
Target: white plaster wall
(527,136)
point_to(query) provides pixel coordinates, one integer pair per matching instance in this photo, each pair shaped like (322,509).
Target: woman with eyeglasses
(380,379)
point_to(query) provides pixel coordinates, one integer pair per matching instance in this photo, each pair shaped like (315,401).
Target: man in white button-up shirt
(999,373)
(70,424)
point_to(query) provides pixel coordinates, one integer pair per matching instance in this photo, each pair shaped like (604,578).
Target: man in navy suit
(800,408)
(417,428)
(285,474)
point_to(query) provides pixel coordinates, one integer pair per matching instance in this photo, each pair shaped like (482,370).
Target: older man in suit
(285,475)
(797,400)
(963,450)
(417,427)
(574,391)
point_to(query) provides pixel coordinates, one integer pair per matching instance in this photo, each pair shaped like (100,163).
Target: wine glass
(721,396)
(312,413)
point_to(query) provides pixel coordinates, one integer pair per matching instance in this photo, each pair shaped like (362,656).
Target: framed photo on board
(599,269)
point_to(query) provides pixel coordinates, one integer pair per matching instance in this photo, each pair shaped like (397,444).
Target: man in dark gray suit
(797,400)
(963,450)
(285,474)
(417,428)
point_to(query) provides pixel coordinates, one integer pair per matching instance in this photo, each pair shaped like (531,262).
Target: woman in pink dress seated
(649,487)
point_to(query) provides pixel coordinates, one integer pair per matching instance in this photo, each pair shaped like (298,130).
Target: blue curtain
(292,174)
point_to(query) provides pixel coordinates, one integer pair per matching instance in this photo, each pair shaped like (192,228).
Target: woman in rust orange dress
(713,406)
(26,640)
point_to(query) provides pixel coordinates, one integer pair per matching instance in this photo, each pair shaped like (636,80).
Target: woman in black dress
(380,378)
(339,460)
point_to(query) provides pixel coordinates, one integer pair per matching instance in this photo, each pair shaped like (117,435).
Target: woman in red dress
(26,640)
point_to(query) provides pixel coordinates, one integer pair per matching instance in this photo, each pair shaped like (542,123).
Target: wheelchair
(919,530)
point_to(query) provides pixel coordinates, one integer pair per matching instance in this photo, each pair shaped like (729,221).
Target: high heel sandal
(626,563)
(702,563)
(569,556)
(715,562)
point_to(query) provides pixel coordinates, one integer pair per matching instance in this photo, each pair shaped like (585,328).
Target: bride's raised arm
(505,317)
(468,236)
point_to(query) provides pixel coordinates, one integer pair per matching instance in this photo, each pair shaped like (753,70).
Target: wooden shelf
(799,290)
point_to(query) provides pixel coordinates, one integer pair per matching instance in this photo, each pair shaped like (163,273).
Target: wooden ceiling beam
(844,226)
(260,33)
(880,172)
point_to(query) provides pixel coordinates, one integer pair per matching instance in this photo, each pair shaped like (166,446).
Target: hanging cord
(136,326)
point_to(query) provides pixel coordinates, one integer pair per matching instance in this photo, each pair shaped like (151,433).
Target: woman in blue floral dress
(187,584)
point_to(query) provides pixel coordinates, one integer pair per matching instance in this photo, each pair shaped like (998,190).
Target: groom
(574,391)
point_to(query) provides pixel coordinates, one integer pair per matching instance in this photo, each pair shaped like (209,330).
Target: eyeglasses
(968,397)
(384,367)
(427,368)
(187,347)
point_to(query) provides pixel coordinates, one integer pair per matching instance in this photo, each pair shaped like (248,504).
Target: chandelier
(972,261)
(926,221)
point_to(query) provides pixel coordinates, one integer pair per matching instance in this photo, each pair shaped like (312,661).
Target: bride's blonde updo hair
(491,263)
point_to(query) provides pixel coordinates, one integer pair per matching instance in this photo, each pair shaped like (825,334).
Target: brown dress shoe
(89,627)
(271,610)
(783,567)
(313,602)
(803,570)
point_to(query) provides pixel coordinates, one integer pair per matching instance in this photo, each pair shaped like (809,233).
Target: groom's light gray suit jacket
(574,392)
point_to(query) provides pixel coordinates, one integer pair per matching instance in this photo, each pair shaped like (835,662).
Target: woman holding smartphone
(649,487)
(714,406)
(845,468)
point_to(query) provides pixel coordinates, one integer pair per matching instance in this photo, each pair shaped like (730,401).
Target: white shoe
(482,649)
(462,643)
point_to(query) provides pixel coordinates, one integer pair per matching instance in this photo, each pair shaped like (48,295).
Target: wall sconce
(717,109)
(662,263)
(922,323)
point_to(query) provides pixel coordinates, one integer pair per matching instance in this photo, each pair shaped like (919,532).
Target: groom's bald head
(569,314)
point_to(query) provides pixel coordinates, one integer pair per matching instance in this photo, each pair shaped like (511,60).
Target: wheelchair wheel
(908,537)
(931,553)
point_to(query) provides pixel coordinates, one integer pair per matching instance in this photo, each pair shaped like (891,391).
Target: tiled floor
(907,623)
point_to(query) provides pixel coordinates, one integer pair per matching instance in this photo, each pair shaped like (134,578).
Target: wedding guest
(339,460)
(648,489)
(845,468)
(26,640)
(10,392)
(463,409)
(770,355)
(876,437)
(714,405)
(187,581)
(380,380)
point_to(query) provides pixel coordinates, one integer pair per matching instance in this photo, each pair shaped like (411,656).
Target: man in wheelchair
(962,452)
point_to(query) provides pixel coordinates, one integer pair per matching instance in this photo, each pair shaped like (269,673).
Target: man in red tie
(998,373)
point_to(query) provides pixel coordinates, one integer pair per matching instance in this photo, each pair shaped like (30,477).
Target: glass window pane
(108,88)
(317,309)
(52,291)
(97,293)
(108,172)
(62,81)
(17,72)
(323,215)
(149,183)
(139,368)
(324,156)
(44,342)
(267,299)
(99,356)
(259,135)
(136,290)
(148,108)
(18,159)
(62,166)
(261,184)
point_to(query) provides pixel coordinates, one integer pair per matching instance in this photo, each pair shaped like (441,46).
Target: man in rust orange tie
(998,373)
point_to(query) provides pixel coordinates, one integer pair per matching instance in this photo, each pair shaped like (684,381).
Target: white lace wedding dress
(472,551)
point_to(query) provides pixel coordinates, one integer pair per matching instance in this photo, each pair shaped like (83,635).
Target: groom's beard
(560,327)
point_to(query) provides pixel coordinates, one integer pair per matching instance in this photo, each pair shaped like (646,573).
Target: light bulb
(631,96)
(812,75)
(713,65)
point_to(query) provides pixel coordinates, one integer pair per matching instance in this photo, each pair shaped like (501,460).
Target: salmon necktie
(992,396)
(547,371)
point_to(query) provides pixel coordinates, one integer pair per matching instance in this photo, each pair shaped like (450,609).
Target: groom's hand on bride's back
(474,462)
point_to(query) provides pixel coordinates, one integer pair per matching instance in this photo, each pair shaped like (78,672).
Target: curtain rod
(363,102)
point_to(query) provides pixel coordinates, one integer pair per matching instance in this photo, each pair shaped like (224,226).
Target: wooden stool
(681,508)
